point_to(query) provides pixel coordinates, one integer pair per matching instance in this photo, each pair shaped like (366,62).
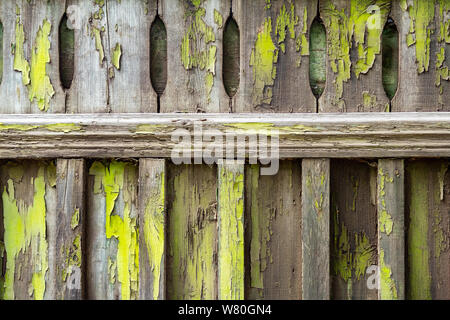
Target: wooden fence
(93,207)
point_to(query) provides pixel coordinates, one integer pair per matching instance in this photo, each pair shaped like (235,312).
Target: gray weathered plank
(194,55)
(112,231)
(274,56)
(230,211)
(316,229)
(30,39)
(152,226)
(68,273)
(273,234)
(391,229)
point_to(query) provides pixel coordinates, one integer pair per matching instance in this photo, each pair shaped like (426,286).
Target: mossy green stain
(25,229)
(110,179)
(153,230)
(40,88)
(231,234)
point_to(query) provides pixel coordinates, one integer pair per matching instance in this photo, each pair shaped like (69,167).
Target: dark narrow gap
(390,58)
(1,52)
(66,53)
(158,58)
(317,59)
(231,57)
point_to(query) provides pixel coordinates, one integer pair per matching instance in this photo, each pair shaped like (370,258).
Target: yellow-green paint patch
(109,179)
(63,127)
(75,219)
(20,62)
(218,19)
(96,34)
(388,289)
(116,55)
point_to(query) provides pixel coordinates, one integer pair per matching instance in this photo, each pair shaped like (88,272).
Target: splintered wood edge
(300,135)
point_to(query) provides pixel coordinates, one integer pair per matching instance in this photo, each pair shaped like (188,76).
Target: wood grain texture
(391,229)
(300,135)
(152,224)
(30,46)
(316,229)
(274,58)
(69,265)
(428,229)
(112,231)
(192,232)
(29,221)
(194,55)
(273,234)
(231,231)
(353,229)
(354,64)
(423,47)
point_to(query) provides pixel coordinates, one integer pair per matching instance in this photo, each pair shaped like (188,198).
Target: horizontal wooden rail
(300,135)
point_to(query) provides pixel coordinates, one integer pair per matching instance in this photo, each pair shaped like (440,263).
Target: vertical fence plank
(273,247)
(391,229)
(353,229)
(428,229)
(128,55)
(423,68)
(112,239)
(231,231)
(194,53)
(192,232)
(152,224)
(275,55)
(29,216)
(68,274)
(354,66)
(316,229)
(31,81)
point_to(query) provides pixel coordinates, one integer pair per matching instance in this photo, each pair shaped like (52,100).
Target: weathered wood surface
(423,47)
(194,55)
(112,56)
(300,135)
(354,65)
(31,82)
(112,250)
(316,229)
(428,229)
(68,271)
(191,271)
(230,209)
(30,225)
(391,229)
(152,229)
(274,56)
(353,228)
(273,234)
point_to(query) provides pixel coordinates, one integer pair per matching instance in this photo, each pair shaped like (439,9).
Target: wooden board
(428,229)
(353,228)
(273,234)
(274,58)
(112,250)
(354,65)
(30,224)
(31,82)
(316,229)
(194,55)
(152,224)
(192,232)
(391,229)
(68,272)
(423,47)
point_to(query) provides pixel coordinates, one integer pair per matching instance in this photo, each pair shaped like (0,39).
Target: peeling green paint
(231,234)
(385,222)
(116,55)
(40,88)
(96,34)
(72,259)
(218,19)
(364,255)
(388,289)
(109,179)
(57,127)
(25,231)
(20,63)
(442,70)
(75,219)
(421,14)
(154,227)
